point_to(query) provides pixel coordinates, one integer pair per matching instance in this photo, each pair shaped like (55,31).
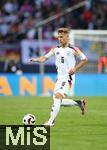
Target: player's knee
(58,96)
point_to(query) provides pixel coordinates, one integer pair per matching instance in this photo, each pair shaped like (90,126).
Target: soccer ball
(29,119)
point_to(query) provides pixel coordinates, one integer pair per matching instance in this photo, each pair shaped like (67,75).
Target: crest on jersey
(57,53)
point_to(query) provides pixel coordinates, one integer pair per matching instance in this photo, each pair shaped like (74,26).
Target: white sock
(55,110)
(68,102)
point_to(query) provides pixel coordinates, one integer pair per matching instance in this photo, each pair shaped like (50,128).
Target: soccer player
(66,69)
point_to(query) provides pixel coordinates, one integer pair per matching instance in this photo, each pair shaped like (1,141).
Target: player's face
(63,38)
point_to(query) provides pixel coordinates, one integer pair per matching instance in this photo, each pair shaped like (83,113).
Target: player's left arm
(83,61)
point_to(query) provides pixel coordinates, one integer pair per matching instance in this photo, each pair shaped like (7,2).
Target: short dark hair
(63,30)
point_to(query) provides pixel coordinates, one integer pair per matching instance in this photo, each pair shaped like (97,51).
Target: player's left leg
(81,103)
(67,89)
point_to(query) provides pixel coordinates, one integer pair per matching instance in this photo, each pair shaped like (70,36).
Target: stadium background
(20,40)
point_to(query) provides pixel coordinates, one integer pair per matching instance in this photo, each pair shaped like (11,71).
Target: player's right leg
(57,98)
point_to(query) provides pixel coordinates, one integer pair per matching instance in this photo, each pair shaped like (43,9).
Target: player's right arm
(39,59)
(43,58)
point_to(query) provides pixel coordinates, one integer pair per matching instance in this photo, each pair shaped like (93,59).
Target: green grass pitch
(72,131)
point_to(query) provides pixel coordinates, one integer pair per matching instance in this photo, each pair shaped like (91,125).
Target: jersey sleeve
(79,53)
(50,53)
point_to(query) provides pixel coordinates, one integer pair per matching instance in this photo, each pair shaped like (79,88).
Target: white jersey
(65,59)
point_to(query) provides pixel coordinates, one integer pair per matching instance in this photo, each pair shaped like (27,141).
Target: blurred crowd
(18,18)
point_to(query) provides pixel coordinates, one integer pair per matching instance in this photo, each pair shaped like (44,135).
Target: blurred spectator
(26,9)
(31,34)
(87,18)
(48,32)
(18,17)
(102,63)
(12,67)
(11,6)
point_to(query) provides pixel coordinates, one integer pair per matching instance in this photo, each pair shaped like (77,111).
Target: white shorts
(64,87)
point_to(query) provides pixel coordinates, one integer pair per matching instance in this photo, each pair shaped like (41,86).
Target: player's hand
(32,60)
(72,71)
